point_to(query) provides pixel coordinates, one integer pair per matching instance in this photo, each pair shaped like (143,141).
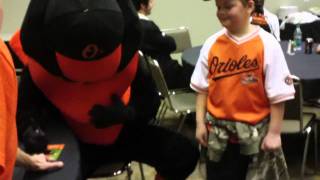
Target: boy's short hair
(260,2)
(137,3)
(258,6)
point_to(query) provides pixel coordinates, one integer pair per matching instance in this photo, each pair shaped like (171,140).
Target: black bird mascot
(81,63)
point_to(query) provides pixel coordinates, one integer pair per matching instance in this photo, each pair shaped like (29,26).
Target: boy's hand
(202,134)
(271,142)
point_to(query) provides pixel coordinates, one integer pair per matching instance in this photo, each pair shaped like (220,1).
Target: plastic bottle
(297,37)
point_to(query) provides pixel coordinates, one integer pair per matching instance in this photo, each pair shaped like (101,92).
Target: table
(305,66)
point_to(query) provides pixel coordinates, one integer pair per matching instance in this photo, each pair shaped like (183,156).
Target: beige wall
(273,5)
(198,15)
(13,14)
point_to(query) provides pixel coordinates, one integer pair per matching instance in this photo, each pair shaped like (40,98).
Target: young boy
(242,81)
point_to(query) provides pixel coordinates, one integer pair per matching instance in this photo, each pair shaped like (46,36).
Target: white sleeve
(278,82)
(199,78)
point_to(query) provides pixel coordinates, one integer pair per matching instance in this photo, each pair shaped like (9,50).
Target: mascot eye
(90,51)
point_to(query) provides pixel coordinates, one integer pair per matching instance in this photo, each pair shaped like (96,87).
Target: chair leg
(163,114)
(129,172)
(316,146)
(305,153)
(141,171)
(161,107)
(181,123)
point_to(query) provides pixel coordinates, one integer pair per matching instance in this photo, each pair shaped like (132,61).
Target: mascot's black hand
(35,140)
(117,113)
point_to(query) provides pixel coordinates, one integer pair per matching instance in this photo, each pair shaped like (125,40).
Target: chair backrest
(293,108)
(181,36)
(159,80)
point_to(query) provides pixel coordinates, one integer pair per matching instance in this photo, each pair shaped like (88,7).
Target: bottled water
(297,37)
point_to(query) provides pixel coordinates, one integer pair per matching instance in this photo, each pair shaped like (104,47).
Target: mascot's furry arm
(130,46)
(104,116)
(40,40)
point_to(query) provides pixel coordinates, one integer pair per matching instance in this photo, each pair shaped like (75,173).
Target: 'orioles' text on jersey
(242,76)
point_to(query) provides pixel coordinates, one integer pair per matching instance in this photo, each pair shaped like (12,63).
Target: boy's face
(233,14)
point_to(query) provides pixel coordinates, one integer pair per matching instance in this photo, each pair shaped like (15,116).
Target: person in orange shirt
(10,154)
(8,105)
(242,81)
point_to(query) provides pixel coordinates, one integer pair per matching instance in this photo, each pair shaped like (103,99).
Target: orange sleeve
(3,122)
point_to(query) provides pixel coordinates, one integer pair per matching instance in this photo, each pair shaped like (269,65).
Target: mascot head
(79,54)
(81,40)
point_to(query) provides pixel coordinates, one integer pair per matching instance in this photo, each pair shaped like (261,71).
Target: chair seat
(293,126)
(312,109)
(183,101)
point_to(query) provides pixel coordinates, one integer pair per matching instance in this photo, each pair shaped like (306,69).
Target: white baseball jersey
(242,76)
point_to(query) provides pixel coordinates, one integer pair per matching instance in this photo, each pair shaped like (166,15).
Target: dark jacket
(159,46)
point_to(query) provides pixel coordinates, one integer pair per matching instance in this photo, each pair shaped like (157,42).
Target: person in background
(159,46)
(273,22)
(269,21)
(242,81)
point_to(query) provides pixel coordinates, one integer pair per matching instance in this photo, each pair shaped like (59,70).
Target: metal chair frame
(293,113)
(181,101)
(109,171)
(181,36)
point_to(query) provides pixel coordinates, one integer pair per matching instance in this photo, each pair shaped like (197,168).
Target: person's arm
(36,162)
(272,140)
(155,41)
(200,83)
(279,88)
(201,130)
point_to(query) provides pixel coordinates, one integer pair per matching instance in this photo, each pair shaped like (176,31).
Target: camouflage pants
(248,136)
(268,166)
(264,165)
